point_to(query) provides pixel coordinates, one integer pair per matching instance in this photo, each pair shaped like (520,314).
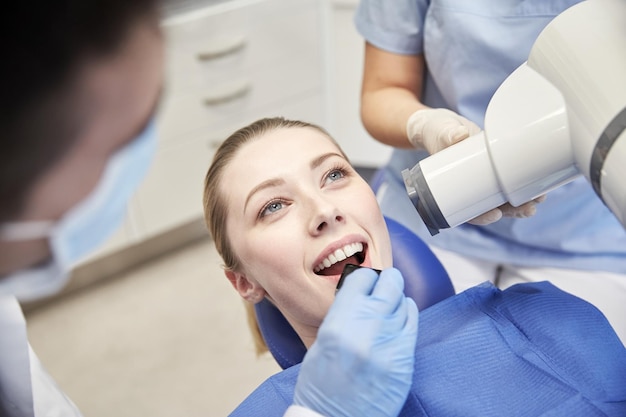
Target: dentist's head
(79,88)
(287,211)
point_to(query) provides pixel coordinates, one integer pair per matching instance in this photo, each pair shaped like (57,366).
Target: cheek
(372,218)
(276,261)
(305,309)
(271,254)
(364,201)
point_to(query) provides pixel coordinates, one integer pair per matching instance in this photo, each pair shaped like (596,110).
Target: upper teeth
(339,255)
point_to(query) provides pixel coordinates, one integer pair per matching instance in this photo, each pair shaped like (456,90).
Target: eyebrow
(265,184)
(320,159)
(274,182)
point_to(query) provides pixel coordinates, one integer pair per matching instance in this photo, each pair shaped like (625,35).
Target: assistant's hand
(362,361)
(507,210)
(436,129)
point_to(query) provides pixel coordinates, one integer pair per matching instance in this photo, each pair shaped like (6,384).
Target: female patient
(287,211)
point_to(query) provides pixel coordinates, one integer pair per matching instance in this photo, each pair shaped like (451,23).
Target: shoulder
(395,26)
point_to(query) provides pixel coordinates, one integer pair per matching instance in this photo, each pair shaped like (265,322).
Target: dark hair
(44,43)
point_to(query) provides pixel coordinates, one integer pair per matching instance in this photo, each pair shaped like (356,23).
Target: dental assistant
(78,95)
(430,69)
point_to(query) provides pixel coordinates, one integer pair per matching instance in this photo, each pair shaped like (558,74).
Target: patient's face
(296,208)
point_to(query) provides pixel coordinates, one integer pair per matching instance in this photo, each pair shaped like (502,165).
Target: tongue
(337,268)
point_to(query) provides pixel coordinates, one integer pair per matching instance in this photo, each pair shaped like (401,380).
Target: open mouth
(333,264)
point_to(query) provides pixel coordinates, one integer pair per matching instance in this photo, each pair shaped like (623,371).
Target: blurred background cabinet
(344,69)
(225,67)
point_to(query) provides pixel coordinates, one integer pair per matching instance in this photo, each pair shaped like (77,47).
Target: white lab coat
(297,411)
(26,389)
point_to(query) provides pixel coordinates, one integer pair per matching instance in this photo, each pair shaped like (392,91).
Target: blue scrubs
(470,47)
(530,350)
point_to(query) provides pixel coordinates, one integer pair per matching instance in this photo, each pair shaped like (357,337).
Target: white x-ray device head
(559,115)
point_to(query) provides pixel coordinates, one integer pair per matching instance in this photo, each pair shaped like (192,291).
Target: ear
(249,290)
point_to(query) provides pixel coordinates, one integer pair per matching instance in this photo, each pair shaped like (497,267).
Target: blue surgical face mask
(84,227)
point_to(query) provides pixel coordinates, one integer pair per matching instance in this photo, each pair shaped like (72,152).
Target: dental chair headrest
(425,281)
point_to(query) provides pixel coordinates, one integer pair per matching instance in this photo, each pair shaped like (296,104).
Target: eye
(335,174)
(271,207)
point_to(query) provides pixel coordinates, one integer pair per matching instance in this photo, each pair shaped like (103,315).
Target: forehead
(282,149)
(276,154)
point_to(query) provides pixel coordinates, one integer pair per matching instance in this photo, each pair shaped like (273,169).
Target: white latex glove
(361,364)
(436,129)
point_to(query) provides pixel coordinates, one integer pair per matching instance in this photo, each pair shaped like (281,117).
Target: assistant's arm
(391,107)
(390,94)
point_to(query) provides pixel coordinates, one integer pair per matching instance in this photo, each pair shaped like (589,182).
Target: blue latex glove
(362,361)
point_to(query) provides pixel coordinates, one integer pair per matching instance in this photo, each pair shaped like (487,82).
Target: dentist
(78,91)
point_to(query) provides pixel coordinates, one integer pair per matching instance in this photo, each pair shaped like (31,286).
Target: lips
(334,263)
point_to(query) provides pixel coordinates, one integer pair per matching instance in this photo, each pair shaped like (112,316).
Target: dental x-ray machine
(560,114)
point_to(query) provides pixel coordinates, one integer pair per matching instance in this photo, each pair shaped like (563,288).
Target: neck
(308,340)
(307,334)
(15,256)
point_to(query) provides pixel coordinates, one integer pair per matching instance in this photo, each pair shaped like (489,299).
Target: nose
(324,215)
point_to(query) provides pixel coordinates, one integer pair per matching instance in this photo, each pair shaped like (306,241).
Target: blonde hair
(215,207)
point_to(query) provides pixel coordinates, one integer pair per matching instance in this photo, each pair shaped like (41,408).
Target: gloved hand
(362,361)
(436,129)
(507,210)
